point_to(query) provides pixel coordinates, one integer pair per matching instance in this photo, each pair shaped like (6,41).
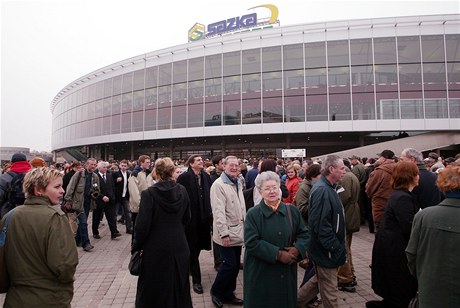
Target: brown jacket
(378,188)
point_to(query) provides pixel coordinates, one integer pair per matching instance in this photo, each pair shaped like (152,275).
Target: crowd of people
(283,212)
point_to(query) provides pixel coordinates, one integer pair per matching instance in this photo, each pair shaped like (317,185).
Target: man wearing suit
(120,178)
(105,203)
(198,185)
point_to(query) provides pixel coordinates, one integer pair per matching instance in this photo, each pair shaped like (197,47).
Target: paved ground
(102,278)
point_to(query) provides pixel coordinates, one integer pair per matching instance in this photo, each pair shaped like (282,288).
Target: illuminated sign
(245,22)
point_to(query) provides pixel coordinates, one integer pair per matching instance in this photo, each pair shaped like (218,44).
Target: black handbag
(135,263)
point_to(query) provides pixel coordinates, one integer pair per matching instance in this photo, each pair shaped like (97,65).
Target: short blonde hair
(39,178)
(164,168)
(449,178)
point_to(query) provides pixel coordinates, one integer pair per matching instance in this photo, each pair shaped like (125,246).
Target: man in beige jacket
(136,184)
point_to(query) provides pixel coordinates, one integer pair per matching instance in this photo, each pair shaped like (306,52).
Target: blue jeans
(225,283)
(82,231)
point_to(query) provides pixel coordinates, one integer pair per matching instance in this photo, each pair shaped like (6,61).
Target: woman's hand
(286,258)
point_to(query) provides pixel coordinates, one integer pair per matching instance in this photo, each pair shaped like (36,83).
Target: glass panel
(165,74)
(433,48)
(386,78)
(453,76)
(138,100)
(315,55)
(294,109)
(271,59)
(411,109)
(454,106)
(251,83)
(232,86)
(272,110)
(362,76)
(116,104)
(151,76)
(251,110)
(180,71)
(127,82)
(272,84)
(150,119)
(164,95)
(213,90)
(364,106)
(409,49)
(250,62)
(339,107)
(164,118)
(337,53)
(213,114)
(435,108)
(116,86)
(196,69)
(316,81)
(92,93)
(126,122)
(127,104)
(410,77)
(98,108)
(195,115)
(108,87)
(91,111)
(385,50)
(453,47)
(138,121)
(389,109)
(195,92)
(179,94)
(100,90)
(213,66)
(84,112)
(232,112)
(138,80)
(97,127)
(232,62)
(293,56)
(106,125)
(361,51)
(116,124)
(179,115)
(434,77)
(83,96)
(151,98)
(339,79)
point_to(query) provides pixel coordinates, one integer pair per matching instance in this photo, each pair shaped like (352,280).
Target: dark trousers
(195,270)
(225,283)
(124,205)
(110,213)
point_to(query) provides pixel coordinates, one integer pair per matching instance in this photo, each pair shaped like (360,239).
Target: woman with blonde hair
(41,256)
(292,182)
(159,233)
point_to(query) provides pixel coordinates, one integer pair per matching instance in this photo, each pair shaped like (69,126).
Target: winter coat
(41,256)
(119,185)
(137,183)
(76,189)
(326,224)
(228,210)
(427,193)
(198,230)
(292,186)
(390,275)
(302,198)
(360,173)
(159,231)
(265,233)
(349,198)
(432,254)
(378,188)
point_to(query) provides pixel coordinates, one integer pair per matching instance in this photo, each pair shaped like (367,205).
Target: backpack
(14,194)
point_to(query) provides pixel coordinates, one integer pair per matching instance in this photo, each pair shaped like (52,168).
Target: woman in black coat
(159,231)
(390,275)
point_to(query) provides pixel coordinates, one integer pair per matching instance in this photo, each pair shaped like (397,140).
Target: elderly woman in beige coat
(41,256)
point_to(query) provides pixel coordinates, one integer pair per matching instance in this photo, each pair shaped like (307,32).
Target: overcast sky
(45,45)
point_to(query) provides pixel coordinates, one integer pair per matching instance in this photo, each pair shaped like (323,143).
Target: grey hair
(330,161)
(413,153)
(266,176)
(101,164)
(226,159)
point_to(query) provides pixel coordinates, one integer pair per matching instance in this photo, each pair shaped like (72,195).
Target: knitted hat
(18,157)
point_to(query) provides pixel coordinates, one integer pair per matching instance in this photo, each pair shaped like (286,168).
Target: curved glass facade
(351,75)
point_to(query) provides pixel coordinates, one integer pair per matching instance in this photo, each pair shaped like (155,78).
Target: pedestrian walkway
(103,280)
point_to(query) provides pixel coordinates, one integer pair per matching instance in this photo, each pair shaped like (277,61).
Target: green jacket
(41,256)
(268,282)
(349,198)
(76,188)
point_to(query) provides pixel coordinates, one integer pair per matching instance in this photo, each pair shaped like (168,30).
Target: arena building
(324,87)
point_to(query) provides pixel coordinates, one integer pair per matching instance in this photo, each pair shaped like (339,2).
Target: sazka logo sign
(242,23)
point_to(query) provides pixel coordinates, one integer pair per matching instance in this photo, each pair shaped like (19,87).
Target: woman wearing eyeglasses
(274,241)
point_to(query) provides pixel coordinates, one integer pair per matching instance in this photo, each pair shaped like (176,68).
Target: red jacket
(292,186)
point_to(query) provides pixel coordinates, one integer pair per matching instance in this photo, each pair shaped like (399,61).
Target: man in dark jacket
(326,224)
(426,193)
(198,232)
(105,202)
(120,179)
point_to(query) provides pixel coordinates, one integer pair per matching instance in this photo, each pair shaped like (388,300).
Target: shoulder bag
(4,277)
(135,263)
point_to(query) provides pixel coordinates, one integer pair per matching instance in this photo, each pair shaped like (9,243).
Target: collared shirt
(125,183)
